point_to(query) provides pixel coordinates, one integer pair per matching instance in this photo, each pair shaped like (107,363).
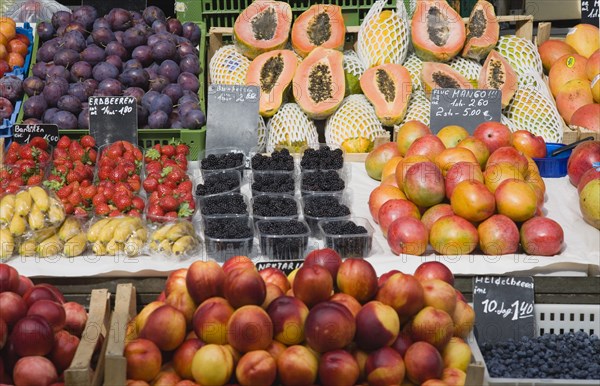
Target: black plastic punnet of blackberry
(216,183)
(322,159)
(283,239)
(572,355)
(273,182)
(347,238)
(224,204)
(322,181)
(266,205)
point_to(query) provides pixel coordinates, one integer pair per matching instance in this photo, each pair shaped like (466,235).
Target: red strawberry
(182,149)
(63,142)
(39,142)
(175,174)
(76,151)
(135,184)
(118,174)
(102,209)
(181,161)
(75,198)
(151,154)
(73,176)
(153,167)
(150,185)
(65,191)
(36,179)
(87,141)
(122,202)
(114,152)
(43,157)
(138,154)
(185,186)
(98,199)
(164,190)
(169,203)
(88,192)
(134,213)
(92,155)
(79,211)
(26,152)
(138,203)
(115,213)
(168,150)
(69,208)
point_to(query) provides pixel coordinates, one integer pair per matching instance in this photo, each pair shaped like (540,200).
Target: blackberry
(215,183)
(228,228)
(322,181)
(359,244)
(283,240)
(323,158)
(279,160)
(274,206)
(222,161)
(324,206)
(224,204)
(273,183)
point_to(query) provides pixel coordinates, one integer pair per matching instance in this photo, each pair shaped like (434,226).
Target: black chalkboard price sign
(590,12)
(465,108)
(113,118)
(503,308)
(232,118)
(23,133)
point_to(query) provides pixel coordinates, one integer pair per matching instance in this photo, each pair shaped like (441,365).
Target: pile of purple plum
(142,55)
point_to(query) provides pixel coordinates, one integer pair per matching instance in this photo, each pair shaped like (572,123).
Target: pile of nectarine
(39,330)
(330,322)
(13,46)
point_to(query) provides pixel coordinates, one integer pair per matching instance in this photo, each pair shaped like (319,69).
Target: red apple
(32,335)
(53,312)
(25,284)
(434,270)
(510,155)
(407,235)
(378,157)
(380,195)
(183,356)
(493,134)
(433,326)
(13,308)
(144,360)
(312,285)
(377,325)
(423,362)
(244,287)
(325,257)
(236,262)
(529,144)
(383,278)
(582,159)
(429,145)
(9,278)
(394,209)
(459,172)
(384,367)
(408,133)
(276,276)
(205,280)
(434,213)
(439,294)
(591,174)
(542,236)
(176,281)
(63,351)
(357,277)
(403,293)
(338,368)
(34,371)
(329,326)
(348,301)
(498,235)
(39,292)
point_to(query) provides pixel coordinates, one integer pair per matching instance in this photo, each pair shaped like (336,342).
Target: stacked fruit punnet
(583,168)
(573,68)
(142,55)
(176,238)
(331,322)
(459,192)
(24,165)
(39,330)
(118,236)
(167,183)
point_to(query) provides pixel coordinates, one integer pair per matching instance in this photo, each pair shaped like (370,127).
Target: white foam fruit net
(521,53)
(418,108)
(383,40)
(410,6)
(352,64)
(414,65)
(354,118)
(290,125)
(228,66)
(262,134)
(530,110)
(468,68)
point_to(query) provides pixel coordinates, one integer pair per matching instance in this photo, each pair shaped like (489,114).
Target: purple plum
(33,85)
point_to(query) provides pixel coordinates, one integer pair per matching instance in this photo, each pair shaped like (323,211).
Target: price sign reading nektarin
(504,308)
(113,118)
(23,133)
(287,266)
(232,119)
(590,12)
(465,108)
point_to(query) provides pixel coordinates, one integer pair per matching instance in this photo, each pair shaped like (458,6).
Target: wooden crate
(82,371)
(115,369)
(219,36)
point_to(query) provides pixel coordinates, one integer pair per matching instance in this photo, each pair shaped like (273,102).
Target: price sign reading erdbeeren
(113,119)
(504,308)
(464,107)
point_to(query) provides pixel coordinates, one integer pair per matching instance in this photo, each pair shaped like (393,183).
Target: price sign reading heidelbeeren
(232,119)
(23,133)
(113,118)
(504,308)
(464,107)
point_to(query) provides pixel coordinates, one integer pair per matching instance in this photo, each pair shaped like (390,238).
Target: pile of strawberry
(24,165)
(121,162)
(167,183)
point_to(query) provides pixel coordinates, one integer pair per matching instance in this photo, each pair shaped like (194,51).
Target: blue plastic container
(26,30)
(553,167)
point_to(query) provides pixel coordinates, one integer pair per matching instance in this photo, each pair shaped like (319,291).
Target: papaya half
(440,75)
(498,74)
(483,31)
(263,26)
(319,83)
(388,88)
(322,25)
(272,72)
(437,31)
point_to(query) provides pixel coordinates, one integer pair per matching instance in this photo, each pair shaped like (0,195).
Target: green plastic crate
(195,139)
(222,13)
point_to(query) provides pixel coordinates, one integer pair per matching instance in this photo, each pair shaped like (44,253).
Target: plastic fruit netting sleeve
(31,11)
